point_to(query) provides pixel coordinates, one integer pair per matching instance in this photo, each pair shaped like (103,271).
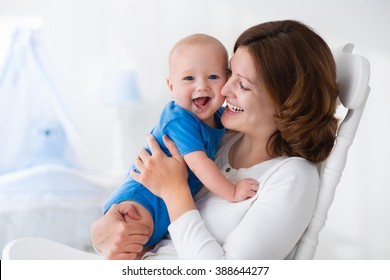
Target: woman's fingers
(125,210)
(172,148)
(121,256)
(131,212)
(153,145)
(134,253)
(157,171)
(136,176)
(142,157)
(155,149)
(138,163)
(143,154)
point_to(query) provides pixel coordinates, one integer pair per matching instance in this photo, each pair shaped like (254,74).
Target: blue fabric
(189,135)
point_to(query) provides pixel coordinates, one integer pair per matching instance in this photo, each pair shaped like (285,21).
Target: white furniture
(353,73)
(52,202)
(32,248)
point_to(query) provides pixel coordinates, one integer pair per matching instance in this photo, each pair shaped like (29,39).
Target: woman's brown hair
(299,73)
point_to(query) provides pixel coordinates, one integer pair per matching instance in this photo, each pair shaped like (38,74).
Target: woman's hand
(165,176)
(122,231)
(158,172)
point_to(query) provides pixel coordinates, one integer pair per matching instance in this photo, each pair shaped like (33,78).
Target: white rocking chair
(353,73)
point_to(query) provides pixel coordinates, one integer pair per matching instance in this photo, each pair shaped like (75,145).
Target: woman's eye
(213,77)
(189,78)
(242,86)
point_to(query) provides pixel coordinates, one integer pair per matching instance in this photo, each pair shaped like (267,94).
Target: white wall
(85,37)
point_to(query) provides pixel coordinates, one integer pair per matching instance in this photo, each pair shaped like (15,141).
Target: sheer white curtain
(32,118)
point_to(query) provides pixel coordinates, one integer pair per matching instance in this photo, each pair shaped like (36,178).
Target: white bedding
(49,201)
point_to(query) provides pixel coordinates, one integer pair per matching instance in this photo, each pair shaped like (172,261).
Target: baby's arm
(213,179)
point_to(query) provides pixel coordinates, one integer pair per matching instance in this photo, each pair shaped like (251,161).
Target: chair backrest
(353,74)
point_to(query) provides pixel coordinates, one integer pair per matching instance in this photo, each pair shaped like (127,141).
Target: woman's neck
(248,151)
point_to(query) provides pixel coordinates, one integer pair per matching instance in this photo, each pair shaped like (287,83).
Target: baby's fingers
(251,181)
(255,187)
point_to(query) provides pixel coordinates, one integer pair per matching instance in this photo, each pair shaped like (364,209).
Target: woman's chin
(229,119)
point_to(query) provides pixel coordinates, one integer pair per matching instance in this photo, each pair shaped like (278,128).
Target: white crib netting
(42,192)
(34,125)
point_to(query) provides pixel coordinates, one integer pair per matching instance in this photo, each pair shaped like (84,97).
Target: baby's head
(197,72)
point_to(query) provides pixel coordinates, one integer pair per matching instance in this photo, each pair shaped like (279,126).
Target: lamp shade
(120,87)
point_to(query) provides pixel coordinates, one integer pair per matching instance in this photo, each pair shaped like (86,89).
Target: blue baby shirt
(189,134)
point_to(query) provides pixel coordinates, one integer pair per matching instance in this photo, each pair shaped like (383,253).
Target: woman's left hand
(161,174)
(165,176)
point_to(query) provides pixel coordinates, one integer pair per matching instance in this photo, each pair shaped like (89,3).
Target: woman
(280,106)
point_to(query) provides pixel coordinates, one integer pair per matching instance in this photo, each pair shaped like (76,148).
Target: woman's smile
(234,108)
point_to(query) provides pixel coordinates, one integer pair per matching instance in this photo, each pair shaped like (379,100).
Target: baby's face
(197,75)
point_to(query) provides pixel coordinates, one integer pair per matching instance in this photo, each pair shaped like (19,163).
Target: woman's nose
(226,89)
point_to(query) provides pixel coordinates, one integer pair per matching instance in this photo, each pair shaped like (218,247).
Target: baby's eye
(189,78)
(213,77)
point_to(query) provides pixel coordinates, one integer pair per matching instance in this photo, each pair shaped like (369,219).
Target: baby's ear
(169,84)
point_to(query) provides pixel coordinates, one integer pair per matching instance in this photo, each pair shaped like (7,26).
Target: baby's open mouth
(201,102)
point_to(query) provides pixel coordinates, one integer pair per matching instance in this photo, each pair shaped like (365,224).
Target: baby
(197,72)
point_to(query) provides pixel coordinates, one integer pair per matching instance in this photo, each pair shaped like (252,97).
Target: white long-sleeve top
(266,226)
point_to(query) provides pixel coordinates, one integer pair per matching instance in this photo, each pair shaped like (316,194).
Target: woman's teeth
(234,108)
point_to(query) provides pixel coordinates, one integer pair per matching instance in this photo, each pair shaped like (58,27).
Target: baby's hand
(245,188)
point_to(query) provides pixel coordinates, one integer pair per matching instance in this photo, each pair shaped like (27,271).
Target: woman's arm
(269,229)
(213,179)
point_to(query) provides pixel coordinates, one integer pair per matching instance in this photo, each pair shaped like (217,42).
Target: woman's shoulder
(294,169)
(299,163)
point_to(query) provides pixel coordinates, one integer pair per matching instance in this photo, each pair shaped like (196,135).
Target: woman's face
(248,106)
